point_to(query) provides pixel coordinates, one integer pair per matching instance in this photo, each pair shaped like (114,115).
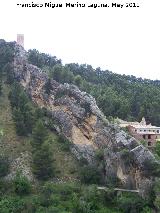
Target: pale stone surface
(87,132)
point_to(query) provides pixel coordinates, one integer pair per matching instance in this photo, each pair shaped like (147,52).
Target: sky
(123,40)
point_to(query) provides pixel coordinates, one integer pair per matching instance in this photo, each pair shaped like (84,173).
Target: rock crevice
(81,121)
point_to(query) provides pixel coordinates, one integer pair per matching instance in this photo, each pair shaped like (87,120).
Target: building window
(144,137)
(149,143)
(149,136)
(157,131)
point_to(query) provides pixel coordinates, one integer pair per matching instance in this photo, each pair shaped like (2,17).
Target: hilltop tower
(20,39)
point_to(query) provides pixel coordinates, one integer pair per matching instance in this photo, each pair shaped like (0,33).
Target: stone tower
(20,39)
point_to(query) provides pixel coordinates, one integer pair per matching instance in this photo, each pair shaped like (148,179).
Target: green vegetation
(21,185)
(65,144)
(70,198)
(61,94)
(22,110)
(151,168)
(43,162)
(6,53)
(122,96)
(42,59)
(127,157)
(1,84)
(39,135)
(157,148)
(4,165)
(12,145)
(42,154)
(131,203)
(90,175)
(144,143)
(69,188)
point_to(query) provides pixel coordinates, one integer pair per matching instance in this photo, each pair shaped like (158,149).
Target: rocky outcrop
(80,120)
(22,165)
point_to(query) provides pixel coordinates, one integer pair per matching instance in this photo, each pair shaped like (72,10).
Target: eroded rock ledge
(81,121)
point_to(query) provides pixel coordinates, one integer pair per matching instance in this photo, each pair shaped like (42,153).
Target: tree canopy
(123,96)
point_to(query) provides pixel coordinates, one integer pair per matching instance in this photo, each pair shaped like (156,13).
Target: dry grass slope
(66,165)
(11,144)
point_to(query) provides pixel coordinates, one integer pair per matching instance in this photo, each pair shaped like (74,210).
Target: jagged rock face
(22,163)
(80,120)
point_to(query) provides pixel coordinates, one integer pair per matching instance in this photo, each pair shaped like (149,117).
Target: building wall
(149,137)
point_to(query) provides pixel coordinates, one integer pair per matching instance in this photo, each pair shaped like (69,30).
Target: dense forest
(126,97)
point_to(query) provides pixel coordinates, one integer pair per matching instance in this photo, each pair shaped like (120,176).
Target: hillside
(63,140)
(75,115)
(18,148)
(126,97)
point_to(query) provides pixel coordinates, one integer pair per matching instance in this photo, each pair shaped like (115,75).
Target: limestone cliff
(80,120)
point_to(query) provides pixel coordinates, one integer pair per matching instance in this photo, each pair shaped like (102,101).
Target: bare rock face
(141,154)
(22,165)
(80,120)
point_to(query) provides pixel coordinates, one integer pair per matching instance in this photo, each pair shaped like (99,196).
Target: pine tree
(22,110)
(1,86)
(19,122)
(14,95)
(43,162)
(39,134)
